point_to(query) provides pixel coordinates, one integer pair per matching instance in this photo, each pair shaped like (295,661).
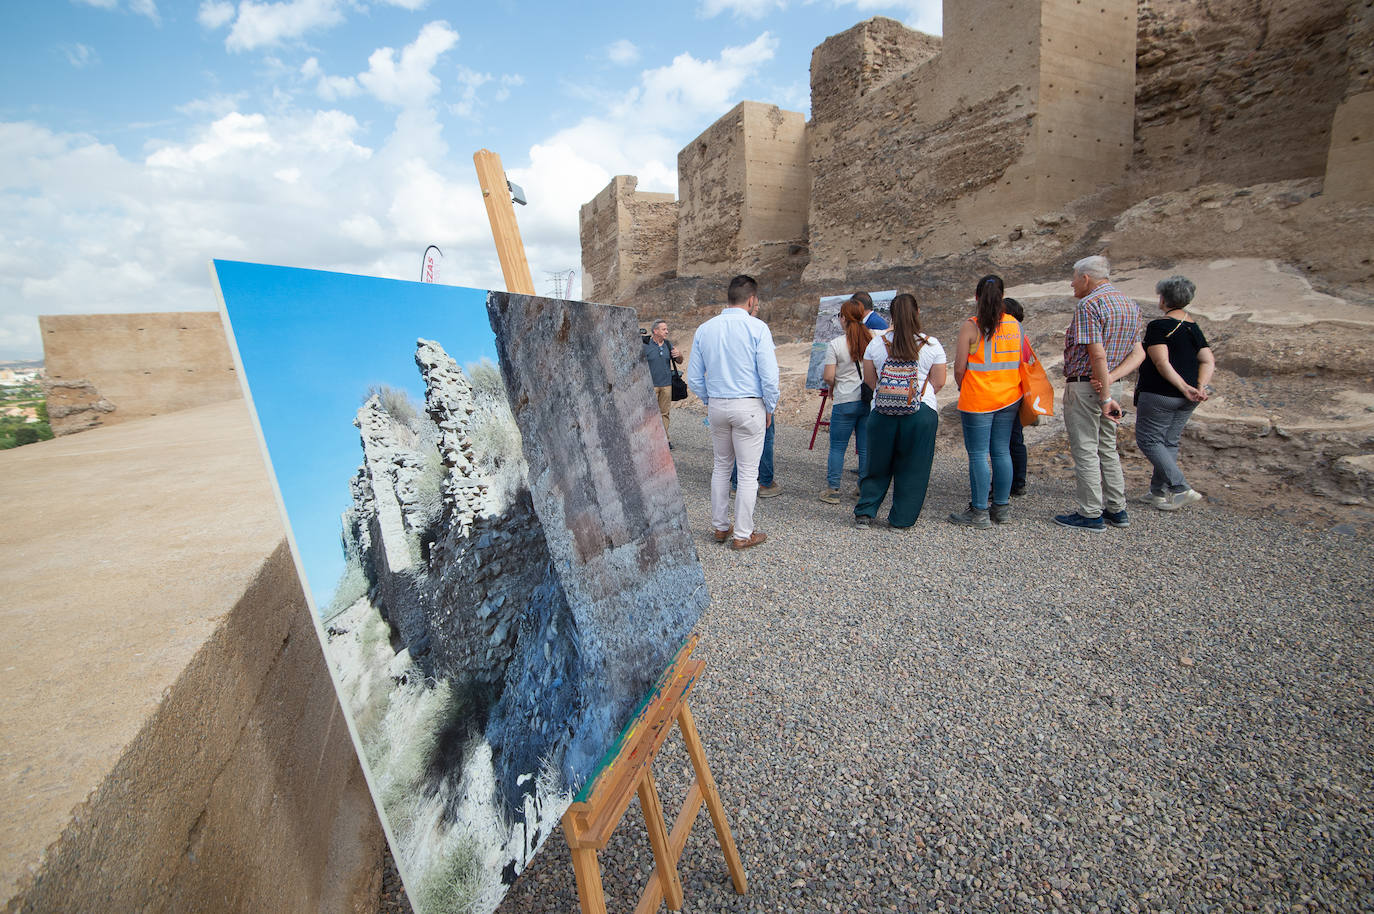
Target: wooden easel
(592,818)
(626,769)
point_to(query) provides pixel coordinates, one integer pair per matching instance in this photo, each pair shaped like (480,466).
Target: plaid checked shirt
(1106,316)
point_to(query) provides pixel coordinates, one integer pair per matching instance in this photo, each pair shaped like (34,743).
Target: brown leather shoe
(723,535)
(754,539)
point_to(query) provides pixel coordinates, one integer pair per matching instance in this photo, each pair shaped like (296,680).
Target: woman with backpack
(905,368)
(849,414)
(987,368)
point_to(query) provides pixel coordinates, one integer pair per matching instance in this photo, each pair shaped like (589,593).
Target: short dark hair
(864,299)
(1013,307)
(742,288)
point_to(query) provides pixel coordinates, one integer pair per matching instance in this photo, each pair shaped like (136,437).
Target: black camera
(644,336)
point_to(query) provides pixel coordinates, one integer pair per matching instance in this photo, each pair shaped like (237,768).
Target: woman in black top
(1173,381)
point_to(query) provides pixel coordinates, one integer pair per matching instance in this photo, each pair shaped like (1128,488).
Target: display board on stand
(626,770)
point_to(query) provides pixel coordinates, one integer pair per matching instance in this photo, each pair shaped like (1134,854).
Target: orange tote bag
(1037,394)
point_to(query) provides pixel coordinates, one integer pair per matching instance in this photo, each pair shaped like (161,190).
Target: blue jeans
(987,437)
(765,462)
(846,419)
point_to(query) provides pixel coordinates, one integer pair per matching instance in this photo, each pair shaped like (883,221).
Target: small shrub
(395,403)
(485,378)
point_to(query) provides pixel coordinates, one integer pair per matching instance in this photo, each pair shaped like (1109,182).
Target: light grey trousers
(1159,422)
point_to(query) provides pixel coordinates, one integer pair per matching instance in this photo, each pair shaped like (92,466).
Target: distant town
(23,408)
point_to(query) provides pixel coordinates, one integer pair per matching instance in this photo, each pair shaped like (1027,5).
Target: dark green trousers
(900,452)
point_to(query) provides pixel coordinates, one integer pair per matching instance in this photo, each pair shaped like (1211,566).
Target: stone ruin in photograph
(529,574)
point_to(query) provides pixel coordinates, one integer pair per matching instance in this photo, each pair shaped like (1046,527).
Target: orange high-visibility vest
(993,377)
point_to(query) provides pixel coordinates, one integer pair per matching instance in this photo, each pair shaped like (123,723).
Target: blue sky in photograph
(312,343)
(141,138)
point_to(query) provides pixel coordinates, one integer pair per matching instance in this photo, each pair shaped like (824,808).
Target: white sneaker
(1154,500)
(1180,500)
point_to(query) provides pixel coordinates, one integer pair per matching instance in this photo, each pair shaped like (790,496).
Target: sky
(139,139)
(361,332)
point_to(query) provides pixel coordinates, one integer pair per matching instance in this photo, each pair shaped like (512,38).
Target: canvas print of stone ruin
(481,498)
(828,327)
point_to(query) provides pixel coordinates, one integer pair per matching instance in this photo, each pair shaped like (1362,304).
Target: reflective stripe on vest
(991,385)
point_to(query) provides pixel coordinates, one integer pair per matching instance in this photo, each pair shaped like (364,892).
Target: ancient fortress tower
(920,147)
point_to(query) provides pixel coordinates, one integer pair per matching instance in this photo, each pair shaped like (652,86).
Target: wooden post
(491,177)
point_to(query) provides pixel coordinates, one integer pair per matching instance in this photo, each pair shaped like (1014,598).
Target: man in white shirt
(734,370)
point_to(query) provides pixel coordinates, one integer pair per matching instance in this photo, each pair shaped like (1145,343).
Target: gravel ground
(1176,716)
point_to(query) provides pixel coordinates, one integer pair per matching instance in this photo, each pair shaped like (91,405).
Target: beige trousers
(1092,441)
(737,430)
(665,404)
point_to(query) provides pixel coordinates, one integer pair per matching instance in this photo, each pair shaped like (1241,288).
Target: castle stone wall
(742,184)
(966,143)
(1238,91)
(627,235)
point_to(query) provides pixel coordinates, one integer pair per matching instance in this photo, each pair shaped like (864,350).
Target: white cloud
(922,15)
(79,55)
(231,133)
(639,134)
(90,230)
(407,4)
(146,8)
(742,9)
(409,81)
(262,24)
(332,88)
(215,14)
(141,7)
(470,81)
(508,81)
(622,52)
(688,86)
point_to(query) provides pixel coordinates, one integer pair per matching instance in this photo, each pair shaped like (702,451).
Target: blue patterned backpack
(896,393)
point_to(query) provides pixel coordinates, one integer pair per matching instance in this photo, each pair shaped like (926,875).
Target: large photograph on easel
(488,522)
(828,326)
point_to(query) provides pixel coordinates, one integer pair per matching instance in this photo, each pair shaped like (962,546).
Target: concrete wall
(176,744)
(742,184)
(141,364)
(627,236)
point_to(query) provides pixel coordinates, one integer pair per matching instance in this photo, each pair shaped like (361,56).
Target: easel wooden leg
(588,873)
(658,839)
(712,797)
(825,392)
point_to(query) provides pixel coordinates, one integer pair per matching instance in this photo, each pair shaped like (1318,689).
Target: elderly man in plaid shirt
(1101,345)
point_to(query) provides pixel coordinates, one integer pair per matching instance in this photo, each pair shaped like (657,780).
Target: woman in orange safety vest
(987,368)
